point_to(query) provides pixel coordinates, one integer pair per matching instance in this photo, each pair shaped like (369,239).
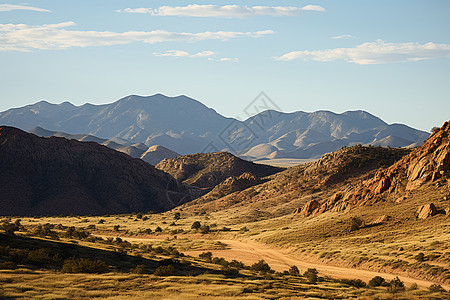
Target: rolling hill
(52,176)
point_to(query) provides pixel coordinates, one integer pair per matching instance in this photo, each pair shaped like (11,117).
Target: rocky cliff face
(424,164)
(51,176)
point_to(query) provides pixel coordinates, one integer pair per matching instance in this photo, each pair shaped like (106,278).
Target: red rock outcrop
(424,164)
(426,211)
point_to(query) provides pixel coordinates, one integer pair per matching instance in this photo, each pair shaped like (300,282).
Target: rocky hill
(206,170)
(52,176)
(286,191)
(187,126)
(428,163)
(157,153)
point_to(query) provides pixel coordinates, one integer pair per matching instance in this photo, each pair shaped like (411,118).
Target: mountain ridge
(187,126)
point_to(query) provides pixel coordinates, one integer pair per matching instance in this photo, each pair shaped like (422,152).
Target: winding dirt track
(280,260)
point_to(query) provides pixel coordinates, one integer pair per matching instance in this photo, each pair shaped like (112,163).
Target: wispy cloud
(343,37)
(203,54)
(225,11)
(11,7)
(378,52)
(181,53)
(22,37)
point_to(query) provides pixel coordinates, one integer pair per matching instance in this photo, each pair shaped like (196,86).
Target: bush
(206,256)
(261,266)
(436,288)
(236,264)
(396,285)
(311,275)
(355,224)
(101,221)
(158,229)
(165,271)
(358,283)
(116,227)
(8,265)
(377,281)
(420,257)
(177,216)
(205,229)
(83,265)
(140,269)
(196,225)
(294,271)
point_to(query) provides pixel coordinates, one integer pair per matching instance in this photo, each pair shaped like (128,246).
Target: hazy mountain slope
(206,170)
(50,176)
(187,126)
(157,153)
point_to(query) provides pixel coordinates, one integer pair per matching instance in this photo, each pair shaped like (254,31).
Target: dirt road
(280,260)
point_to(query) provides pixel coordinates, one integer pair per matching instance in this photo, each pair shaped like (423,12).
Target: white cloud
(181,53)
(225,11)
(203,54)
(11,7)
(343,37)
(22,37)
(378,52)
(313,7)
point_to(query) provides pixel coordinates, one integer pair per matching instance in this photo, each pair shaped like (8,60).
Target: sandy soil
(250,252)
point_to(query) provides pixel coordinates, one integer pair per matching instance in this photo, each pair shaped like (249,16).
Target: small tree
(396,285)
(205,229)
(420,257)
(311,275)
(206,256)
(294,271)
(376,281)
(261,266)
(165,271)
(436,288)
(196,225)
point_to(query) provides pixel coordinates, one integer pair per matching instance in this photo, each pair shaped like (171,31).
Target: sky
(390,58)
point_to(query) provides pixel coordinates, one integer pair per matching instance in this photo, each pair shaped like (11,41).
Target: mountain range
(187,126)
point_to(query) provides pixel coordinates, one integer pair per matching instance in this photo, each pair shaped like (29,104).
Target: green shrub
(436,288)
(196,225)
(294,271)
(311,275)
(396,285)
(206,256)
(358,283)
(261,266)
(139,269)
(377,281)
(420,257)
(165,271)
(83,265)
(205,229)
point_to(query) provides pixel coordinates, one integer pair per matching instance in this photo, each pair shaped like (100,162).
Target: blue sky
(391,58)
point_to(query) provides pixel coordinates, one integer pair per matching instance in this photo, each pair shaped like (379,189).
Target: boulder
(310,208)
(426,211)
(380,220)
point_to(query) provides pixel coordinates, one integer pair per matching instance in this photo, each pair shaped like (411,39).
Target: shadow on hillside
(120,262)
